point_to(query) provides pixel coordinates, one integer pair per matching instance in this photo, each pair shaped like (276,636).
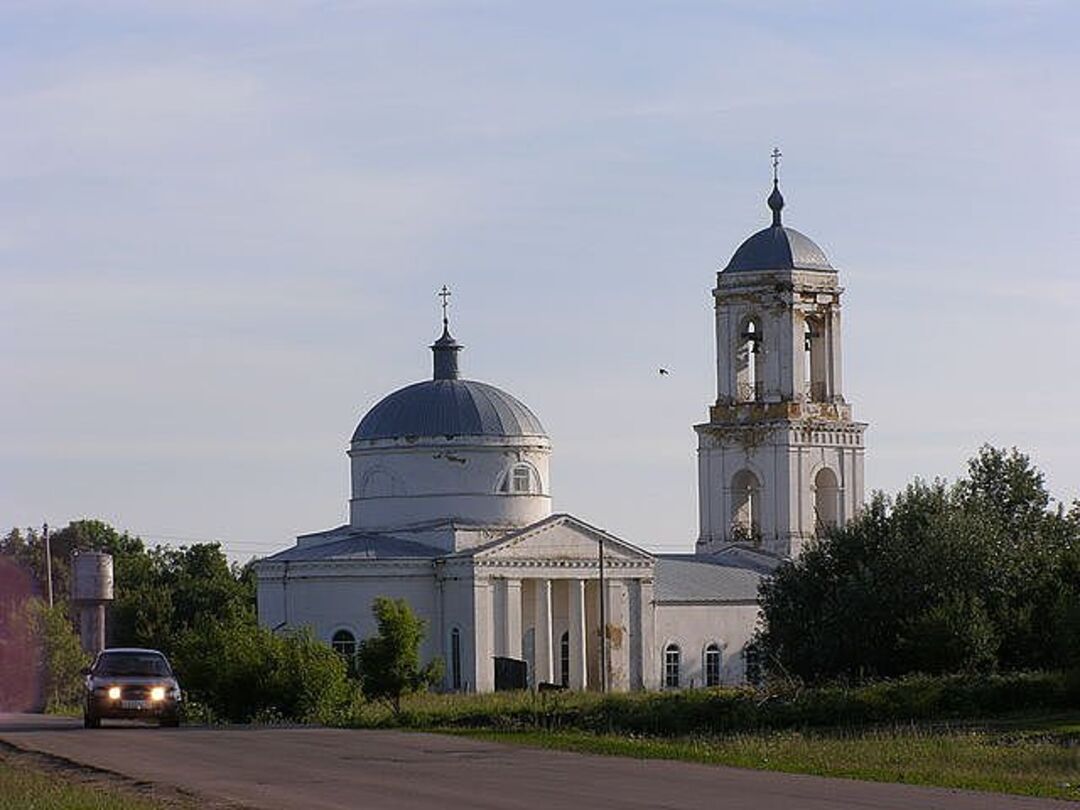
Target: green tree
(976,576)
(389,662)
(62,658)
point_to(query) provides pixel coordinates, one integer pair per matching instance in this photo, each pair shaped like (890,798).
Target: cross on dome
(445,294)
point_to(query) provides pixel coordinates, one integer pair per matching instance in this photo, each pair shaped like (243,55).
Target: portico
(544,587)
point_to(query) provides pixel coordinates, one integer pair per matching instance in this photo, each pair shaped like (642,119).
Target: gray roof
(778,248)
(733,574)
(448,407)
(359,546)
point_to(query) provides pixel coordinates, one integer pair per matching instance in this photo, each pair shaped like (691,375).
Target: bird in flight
(664,372)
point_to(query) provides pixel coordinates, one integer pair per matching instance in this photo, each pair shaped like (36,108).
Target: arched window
(750,362)
(344,644)
(745,507)
(826,501)
(672,666)
(521,479)
(712,663)
(564,659)
(455,659)
(379,484)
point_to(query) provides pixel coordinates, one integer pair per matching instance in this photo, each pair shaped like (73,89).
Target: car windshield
(132,664)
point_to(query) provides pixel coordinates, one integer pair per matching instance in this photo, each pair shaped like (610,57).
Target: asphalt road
(333,769)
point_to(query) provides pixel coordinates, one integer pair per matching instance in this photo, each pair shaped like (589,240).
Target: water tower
(92,590)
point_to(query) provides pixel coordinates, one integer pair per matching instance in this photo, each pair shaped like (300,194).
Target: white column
(543,632)
(512,626)
(499,619)
(577,634)
(483,648)
(836,374)
(618,641)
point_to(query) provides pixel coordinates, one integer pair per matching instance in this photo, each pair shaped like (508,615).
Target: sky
(223,224)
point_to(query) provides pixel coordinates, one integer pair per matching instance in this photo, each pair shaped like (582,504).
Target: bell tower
(780,460)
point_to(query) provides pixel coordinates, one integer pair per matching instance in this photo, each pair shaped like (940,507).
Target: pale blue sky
(222,225)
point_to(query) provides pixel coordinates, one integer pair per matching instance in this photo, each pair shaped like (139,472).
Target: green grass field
(916,730)
(24,788)
(1034,756)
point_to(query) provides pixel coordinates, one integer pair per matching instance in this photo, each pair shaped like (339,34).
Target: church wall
(327,602)
(693,627)
(459,595)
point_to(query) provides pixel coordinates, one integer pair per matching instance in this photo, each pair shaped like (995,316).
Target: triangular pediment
(561,537)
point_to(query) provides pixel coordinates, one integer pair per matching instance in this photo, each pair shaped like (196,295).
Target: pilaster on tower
(780,459)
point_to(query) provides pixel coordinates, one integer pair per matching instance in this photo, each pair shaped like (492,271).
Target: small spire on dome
(446,348)
(776,199)
(445,294)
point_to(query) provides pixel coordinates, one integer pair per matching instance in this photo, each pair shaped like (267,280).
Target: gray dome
(448,407)
(778,248)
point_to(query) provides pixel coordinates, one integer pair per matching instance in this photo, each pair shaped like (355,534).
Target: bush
(238,671)
(732,710)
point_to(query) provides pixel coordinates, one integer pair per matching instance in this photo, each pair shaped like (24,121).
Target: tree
(389,662)
(977,576)
(62,656)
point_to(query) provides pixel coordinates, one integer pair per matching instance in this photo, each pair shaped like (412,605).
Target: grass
(1027,756)
(916,730)
(691,712)
(23,788)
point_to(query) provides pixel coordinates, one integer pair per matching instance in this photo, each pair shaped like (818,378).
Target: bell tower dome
(780,460)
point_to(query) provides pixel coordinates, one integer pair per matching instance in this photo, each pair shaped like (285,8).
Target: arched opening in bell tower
(750,362)
(814,366)
(826,501)
(745,507)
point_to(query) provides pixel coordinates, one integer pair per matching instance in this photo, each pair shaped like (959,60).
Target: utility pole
(48,560)
(603,624)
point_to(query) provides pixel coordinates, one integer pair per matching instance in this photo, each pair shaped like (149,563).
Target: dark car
(131,684)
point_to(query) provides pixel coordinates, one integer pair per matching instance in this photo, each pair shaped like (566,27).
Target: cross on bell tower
(780,460)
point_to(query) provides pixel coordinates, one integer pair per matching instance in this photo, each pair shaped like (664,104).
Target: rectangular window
(522,479)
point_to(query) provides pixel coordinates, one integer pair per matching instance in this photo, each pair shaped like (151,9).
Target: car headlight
(157,693)
(114,693)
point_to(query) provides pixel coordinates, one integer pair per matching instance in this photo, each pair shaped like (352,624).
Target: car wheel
(89,721)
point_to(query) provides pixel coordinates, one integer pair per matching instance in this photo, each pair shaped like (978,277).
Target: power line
(235,544)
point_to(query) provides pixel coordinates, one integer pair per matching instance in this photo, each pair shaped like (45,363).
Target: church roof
(733,574)
(449,407)
(778,247)
(358,546)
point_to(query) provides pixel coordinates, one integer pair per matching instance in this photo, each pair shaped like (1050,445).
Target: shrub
(238,671)
(732,710)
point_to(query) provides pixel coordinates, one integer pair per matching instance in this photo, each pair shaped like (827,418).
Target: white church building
(451,508)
